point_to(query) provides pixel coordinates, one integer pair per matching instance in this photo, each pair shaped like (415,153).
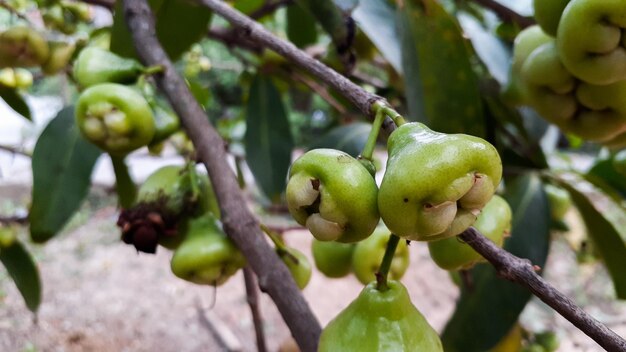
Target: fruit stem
(152,70)
(388,111)
(124,185)
(281,249)
(383,272)
(368,149)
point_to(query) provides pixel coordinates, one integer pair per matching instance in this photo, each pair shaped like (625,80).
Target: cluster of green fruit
(177,209)
(64,16)
(434,187)
(571,68)
(113,114)
(24,47)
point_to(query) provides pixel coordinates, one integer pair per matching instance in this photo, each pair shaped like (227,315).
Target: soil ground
(100,295)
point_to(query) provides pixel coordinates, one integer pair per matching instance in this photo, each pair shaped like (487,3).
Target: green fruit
(173,185)
(115,117)
(95,65)
(333,195)
(206,256)
(494,222)
(380,321)
(332,259)
(166,121)
(560,201)
(593,112)
(436,184)
(60,56)
(22,47)
(548,340)
(548,14)
(590,40)
(16,78)
(298,264)
(369,253)
(525,42)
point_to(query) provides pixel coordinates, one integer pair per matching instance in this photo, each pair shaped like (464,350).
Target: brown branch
(14,150)
(247,28)
(239,223)
(522,271)
(505,13)
(252,296)
(320,90)
(15,219)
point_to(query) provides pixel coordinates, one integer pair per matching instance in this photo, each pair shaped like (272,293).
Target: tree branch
(252,296)
(247,28)
(239,223)
(508,266)
(15,150)
(505,13)
(15,219)
(522,271)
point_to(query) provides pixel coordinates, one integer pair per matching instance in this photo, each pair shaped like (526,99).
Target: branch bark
(522,271)
(252,295)
(239,223)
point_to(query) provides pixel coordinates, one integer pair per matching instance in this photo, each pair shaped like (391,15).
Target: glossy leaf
(441,87)
(487,313)
(605,220)
(23,270)
(348,138)
(491,50)
(377,20)
(179,24)
(62,165)
(604,175)
(301,29)
(268,137)
(15,101)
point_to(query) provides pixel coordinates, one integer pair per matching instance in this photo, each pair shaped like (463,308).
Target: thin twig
(238,221)
(15,150)
(252,295)
(320,90)
(5,5)
(15,219)
(505,13)
(522,271)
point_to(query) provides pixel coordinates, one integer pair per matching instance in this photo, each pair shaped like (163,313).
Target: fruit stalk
(383,272)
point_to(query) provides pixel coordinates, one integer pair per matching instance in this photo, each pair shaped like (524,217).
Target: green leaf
(248,6)
(23,270)
(62,165)
(484,315)
(377,20)
(332,20)
(15,101)
(605,220)
(348,138)
(603,174)
(301,29)
(268,137)
(179,24)
(441,88)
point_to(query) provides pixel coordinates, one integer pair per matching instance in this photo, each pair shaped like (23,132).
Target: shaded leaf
(377,20)
(179,24)
(23,270)
(348,138)
(268,137)
(441,87)
(248,6)
(15,101)
(301,28)
(332,20)
(62,165)
(484,315)
(605,220)
(604,175)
